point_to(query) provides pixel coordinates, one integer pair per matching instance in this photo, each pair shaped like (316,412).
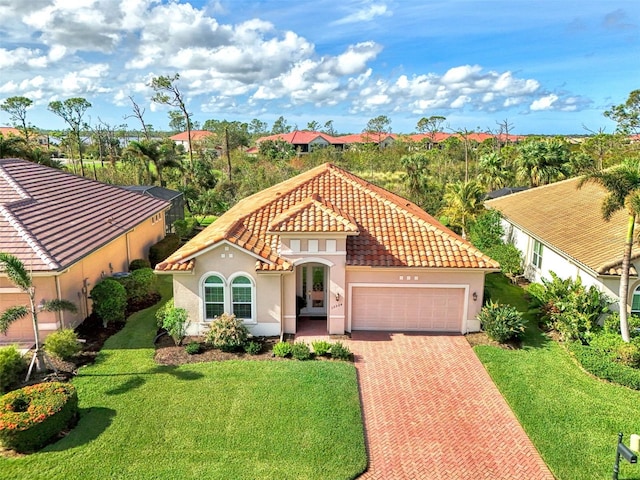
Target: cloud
(544,103)
(367,13)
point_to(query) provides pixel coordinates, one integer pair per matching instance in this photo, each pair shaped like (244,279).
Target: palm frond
(15,270)
(59,305)
(10,315)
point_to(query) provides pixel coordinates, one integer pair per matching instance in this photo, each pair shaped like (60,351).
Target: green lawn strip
(572,418)
(220,420)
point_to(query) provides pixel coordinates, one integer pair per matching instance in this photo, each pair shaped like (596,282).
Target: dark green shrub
(603,367)
(300,351)
(501,322)
(185,228)
(32,416)
(253,348)
(612,324)
(509,258)
(282,349)
(175,322)
(109,301)
(321,347)
(340,352)
(63,344)
(227,333)
(139,263)
(139,284)
(163,249)
(486,231)
(611,346)
(192,348)
(12,364)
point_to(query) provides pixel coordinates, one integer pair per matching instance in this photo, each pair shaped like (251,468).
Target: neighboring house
(175,212)
(196,136)
(382,139)
(304,141)
(69,232)
(329,244)
(559,228)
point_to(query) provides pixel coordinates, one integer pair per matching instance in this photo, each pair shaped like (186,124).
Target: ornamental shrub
(612,324)
(32,416)
(321,347)
(300,351)
(12,364)
(340,352)
(253,348)
(163,249)
(611,346)
(601,366)
(139,263)
(63,344)
(193,348)
(282,349)
(139,284)
(501,322)
(175,322)
(227,333)
(109,301)
(161,313)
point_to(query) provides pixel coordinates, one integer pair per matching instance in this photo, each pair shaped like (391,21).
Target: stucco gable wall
(227,260)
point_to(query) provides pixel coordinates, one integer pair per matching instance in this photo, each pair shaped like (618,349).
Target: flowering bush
(227,333)
(32,416)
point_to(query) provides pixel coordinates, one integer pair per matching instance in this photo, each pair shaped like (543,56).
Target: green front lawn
(227,420)
(572,418)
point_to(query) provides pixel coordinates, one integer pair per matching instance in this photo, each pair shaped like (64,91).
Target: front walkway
(431,411)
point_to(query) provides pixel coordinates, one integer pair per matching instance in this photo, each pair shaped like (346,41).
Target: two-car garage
(436,308)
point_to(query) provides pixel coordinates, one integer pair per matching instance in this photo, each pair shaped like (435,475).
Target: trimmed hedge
(139,284)
(12,364)
(139,263)
(63,344)
(602,366)
(163,249)
(32,416)
(109,301)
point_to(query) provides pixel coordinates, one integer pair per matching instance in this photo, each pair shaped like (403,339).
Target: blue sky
(548,66)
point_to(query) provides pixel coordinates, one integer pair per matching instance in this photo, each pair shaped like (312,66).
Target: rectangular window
(536,257)
(312,246)
(241,298)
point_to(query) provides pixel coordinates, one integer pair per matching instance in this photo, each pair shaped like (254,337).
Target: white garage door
(405,308)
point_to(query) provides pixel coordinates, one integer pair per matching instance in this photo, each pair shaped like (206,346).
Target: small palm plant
(18,275)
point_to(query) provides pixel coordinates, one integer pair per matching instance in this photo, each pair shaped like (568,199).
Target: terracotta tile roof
(364,138)
(6,131)
(570,220)
(313,215)
(479,137)
(50,219)
(298,137)
(392,230)
(195,135)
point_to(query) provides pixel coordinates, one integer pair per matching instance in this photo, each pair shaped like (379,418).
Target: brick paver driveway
(431,411)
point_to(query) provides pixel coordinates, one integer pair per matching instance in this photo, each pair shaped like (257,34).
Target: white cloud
(366,14)
(544,103)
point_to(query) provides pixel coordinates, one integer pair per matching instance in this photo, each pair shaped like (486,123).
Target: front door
(313,288)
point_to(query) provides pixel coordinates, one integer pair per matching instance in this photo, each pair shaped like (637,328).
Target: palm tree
(463,203)
(622,183)
(153,152)
(540,162)
(493,172)
(18,275)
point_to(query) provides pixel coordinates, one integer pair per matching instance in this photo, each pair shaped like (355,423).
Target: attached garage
(434,308)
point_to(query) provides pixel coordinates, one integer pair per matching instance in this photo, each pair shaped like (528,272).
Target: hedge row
(603,367)
(32,416)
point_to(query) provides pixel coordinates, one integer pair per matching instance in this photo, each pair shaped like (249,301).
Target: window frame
(205,285)
(251,287)
(536,253)
(636,293)
(227,285)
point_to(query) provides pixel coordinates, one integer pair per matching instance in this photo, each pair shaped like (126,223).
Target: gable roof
(195,135)
(50,219)
(10,131)
(391,231)
(570,220)
(298,137)
(365,137)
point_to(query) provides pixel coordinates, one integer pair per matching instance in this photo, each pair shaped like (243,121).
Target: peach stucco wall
(75,283)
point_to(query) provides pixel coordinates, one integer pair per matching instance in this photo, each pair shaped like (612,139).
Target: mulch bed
(481,338)
(167,353)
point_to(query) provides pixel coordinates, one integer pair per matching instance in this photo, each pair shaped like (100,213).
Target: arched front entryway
(312,296)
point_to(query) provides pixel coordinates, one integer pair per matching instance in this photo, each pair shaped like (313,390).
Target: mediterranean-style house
(560,228)
(182,138)
(69,232)
(304,141)
(329,244)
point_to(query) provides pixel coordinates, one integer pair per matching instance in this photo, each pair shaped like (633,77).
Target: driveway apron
(431,411)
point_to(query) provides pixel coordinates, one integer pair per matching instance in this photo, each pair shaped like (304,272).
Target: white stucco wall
(226,260)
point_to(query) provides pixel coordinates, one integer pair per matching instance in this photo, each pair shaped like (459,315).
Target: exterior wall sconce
(337,296)
(474,296)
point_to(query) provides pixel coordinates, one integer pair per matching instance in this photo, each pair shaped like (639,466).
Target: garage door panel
(406,308)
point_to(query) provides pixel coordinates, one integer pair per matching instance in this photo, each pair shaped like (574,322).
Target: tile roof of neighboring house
(6,131)
(154,191)
(50,219)
(298,137)
(365,137)
(479,137)
(570,219)
(391,231)
(195,135)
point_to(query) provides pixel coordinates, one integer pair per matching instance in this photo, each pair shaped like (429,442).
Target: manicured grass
(227,420)
(572,418)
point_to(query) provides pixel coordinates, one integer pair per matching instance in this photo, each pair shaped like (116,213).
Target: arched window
(213,297)
(635,301)
(242,297)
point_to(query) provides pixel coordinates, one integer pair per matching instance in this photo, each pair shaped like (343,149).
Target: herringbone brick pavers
(432,412)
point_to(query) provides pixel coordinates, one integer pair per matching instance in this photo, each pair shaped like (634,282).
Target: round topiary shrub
(109,301)
(139,263)
(32,416)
